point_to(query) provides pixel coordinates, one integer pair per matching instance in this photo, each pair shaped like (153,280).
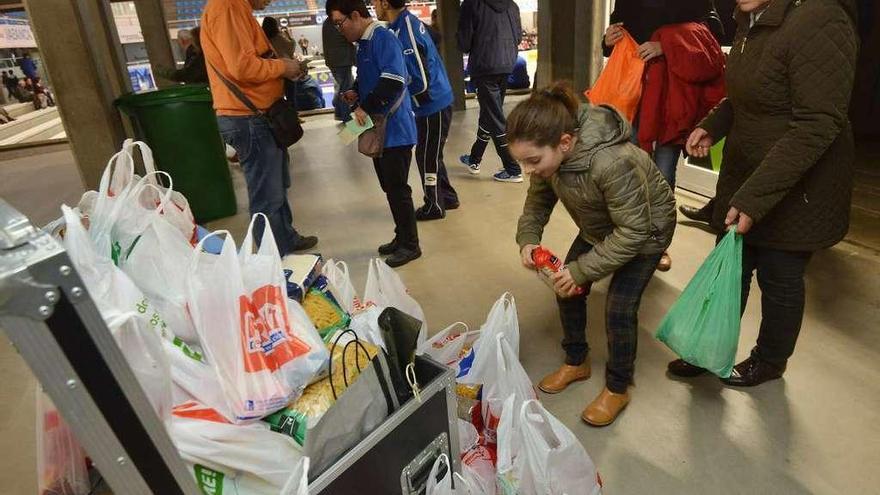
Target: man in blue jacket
(380,86)
(28,66)
(431,100)
(489,31)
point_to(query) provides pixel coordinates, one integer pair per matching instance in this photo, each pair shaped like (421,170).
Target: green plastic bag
(702,327)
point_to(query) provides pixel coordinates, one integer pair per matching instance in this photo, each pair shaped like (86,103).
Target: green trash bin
(180,127)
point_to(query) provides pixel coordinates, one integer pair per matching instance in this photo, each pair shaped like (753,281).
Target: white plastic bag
(385,288)
(298,483)
(509,442)
(177,210)
(136,212)
(116,181)
(134,324)
(307,367)
(292,343)
(502,319)
(61,461)
(467,436)
(446,345)
(340,281)
(262,357)
(194,379)
(156,265)
(232,332)
(555,462)
(443,486)
(366,325)
(478,468)
(509,380)
(251,458)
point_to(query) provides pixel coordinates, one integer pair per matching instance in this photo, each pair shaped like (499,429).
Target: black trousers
(493,123)
(393,173)
(781,279)
(628,284)
(433,131)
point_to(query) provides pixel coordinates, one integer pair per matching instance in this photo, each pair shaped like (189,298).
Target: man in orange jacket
(237,49)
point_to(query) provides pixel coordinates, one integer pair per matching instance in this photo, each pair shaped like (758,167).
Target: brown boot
(665,263)
(604,410)
(563,377)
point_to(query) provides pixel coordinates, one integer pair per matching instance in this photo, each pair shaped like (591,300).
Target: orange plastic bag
(620,83)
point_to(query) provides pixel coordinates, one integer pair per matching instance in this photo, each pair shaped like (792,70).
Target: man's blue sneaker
(473,168)
(504,176)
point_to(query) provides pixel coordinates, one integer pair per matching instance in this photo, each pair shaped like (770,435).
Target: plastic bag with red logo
(385,288)
(509,380)
(240,310)
(61,461)
(298,351)
(446,346)
(177,210)
(230,459)
(478,468)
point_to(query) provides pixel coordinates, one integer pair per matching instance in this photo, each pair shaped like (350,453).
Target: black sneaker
(390,248)
(305,242)
(403,256)
(684,369)
(429,213)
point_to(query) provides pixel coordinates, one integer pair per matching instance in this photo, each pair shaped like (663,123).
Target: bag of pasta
(324,310)
(337,412)
(346,362)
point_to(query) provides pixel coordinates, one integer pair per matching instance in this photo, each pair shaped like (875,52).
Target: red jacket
(682,86)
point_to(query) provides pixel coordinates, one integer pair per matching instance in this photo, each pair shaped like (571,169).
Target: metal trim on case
(440,383)
(55,326)
(425,459)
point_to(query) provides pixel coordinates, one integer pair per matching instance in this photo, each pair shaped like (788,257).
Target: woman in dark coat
(787,178)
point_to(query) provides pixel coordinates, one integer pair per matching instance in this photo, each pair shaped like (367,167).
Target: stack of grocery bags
(510,444)
(247,358)
(266,370)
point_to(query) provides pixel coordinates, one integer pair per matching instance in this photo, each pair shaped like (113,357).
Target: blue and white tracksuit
(381,81)
(432,98)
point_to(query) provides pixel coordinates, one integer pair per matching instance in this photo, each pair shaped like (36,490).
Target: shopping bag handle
(111,170)
(527,418)
(267,242)
(148,181)
(146,153)
(359,345)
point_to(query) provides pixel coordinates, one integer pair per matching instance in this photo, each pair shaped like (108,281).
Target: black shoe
(403,256)
(305,242)
(429,213)
(684,369)
(752,372)
(703,214)
(390,248)
(453,206)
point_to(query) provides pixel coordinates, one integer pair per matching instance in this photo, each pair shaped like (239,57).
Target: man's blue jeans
(267,173)
(343,81)
(666,157)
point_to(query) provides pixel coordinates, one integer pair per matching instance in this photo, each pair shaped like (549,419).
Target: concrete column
(151,16)
(570,41)
(452,56)
(82,55)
